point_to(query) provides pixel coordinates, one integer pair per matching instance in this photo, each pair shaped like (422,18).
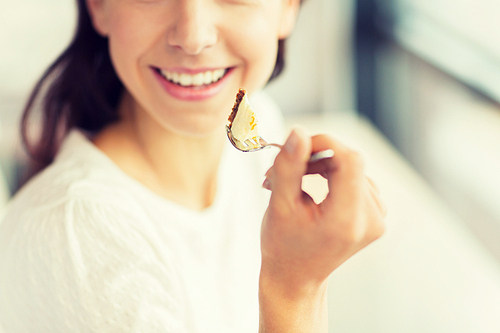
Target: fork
(251,145)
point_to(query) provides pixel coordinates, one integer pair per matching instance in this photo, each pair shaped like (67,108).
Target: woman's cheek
(134,28)
(258,45)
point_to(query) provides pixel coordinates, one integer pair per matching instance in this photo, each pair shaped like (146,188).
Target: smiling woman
(93,100)
(141,218)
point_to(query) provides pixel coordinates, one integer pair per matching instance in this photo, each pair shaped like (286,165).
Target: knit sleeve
(86,266)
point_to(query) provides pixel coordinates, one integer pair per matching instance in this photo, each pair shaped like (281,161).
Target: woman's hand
(303,242)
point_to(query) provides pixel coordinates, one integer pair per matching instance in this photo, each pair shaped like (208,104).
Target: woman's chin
(198,128)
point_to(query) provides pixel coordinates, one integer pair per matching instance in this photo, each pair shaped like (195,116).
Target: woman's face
(184,60)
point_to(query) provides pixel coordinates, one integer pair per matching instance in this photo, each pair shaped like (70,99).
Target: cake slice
(242,120)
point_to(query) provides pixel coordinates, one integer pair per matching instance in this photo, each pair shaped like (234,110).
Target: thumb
(285,177)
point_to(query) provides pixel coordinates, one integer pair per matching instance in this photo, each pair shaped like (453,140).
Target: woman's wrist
(288,305)
(287,282)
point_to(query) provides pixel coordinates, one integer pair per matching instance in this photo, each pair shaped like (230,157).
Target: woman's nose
(194,28)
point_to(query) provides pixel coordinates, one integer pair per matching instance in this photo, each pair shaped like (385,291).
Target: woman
(141,218)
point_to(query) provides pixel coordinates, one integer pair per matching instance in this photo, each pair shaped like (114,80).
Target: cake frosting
(243,122)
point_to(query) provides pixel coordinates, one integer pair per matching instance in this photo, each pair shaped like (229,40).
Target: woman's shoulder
(60,200)
(66,247)
(73,224)
(78,187)
(79,172)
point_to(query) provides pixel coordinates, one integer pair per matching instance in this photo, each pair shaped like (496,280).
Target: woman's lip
(193,93)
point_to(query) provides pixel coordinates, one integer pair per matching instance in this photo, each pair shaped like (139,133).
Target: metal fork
(259,144)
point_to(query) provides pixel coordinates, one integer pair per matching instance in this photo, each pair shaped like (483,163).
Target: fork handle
(320,155)
(274,145)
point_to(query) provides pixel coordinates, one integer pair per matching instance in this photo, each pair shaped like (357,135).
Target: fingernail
(266,184)
(291,142)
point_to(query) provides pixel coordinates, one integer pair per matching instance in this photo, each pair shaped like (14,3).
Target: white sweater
(86,248)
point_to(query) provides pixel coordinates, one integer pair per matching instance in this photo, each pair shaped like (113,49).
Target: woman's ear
(289,14)
(98,15)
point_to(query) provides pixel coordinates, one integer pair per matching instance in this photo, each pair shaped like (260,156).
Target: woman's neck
(180,168)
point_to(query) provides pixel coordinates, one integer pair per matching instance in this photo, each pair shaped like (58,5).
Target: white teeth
(198,79)
(185,79)
(217,74)
(175,77)
(207,77)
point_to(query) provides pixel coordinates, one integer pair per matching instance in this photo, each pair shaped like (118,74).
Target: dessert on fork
(243,122)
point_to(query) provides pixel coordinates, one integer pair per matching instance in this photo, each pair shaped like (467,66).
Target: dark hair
(80,90)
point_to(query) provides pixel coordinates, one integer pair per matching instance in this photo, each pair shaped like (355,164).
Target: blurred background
(415,83)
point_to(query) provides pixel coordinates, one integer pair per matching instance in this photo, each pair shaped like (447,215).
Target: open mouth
(197,80)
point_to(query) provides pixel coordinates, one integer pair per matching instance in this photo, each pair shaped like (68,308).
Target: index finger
(324,143)
(343,171)
(289,167)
